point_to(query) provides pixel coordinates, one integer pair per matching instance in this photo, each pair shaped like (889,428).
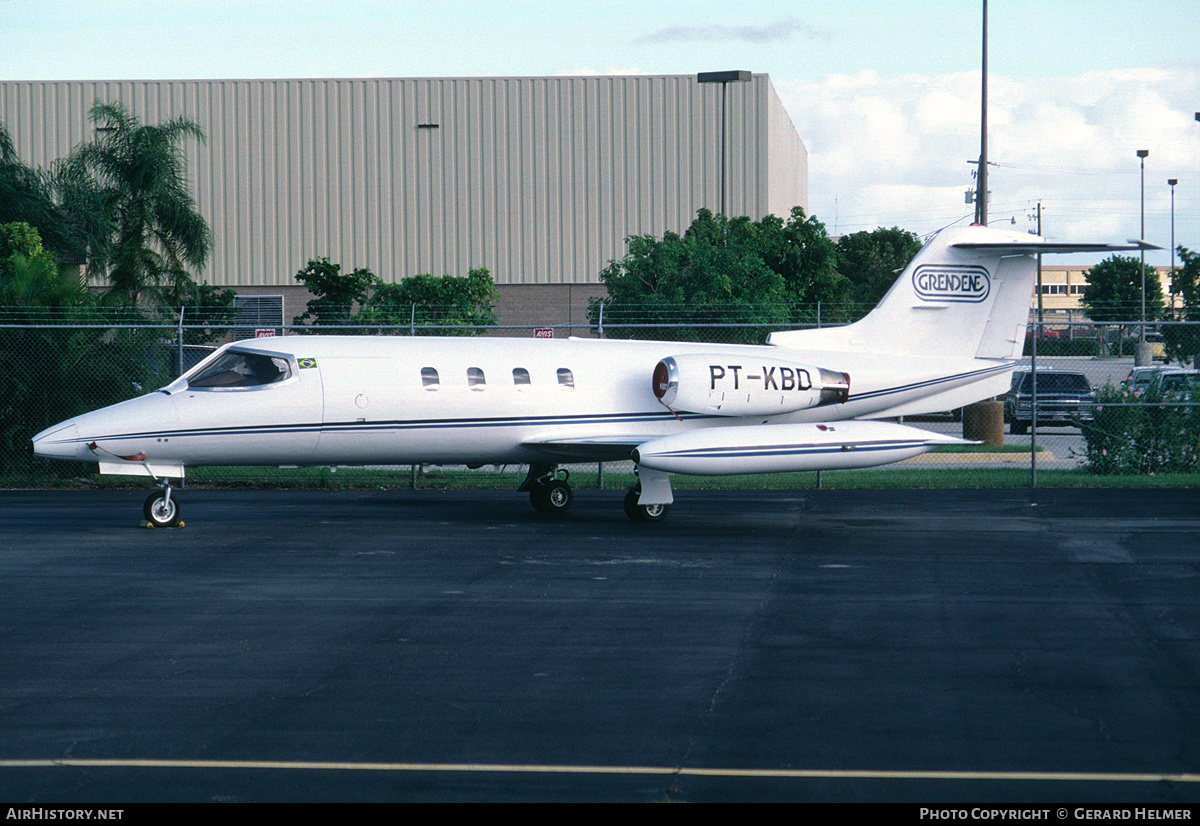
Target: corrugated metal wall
(538,179)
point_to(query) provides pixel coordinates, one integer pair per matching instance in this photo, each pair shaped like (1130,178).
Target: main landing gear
(643,513)
(550,493)
(160,510)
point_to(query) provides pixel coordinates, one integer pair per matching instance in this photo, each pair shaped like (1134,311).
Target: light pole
(1171,183)
(724,78)
(981,207)
(1141,356)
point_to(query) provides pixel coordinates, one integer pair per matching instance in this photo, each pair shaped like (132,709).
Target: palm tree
(131,179)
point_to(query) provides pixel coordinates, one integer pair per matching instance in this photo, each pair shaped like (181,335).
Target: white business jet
(944,336)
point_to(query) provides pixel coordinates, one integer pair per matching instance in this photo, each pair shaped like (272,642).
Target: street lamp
(724,78)
(1142,153)
(1171,183)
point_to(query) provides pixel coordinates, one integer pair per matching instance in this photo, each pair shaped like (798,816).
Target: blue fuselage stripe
(784,450)
(402,425)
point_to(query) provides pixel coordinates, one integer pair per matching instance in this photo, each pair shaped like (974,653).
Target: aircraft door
(361,407)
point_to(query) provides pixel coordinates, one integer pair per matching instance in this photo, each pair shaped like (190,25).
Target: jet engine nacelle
(734,385)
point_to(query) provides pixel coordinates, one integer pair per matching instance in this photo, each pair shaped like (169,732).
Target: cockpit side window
(237,369)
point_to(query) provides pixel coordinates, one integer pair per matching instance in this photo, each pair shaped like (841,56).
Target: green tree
(1114,291)
(1183,340)
(208,312)
(770,272)
(449,301)
(799,249)
(1185,282)
(336,293)
(872,261)
(146,229)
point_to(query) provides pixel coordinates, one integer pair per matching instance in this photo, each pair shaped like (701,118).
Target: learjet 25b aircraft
(944,336)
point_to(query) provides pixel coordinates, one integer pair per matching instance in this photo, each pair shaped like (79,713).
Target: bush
(1135,433)
(1063,346)
(53,374)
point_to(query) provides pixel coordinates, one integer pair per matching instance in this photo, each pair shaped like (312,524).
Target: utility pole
(981,193)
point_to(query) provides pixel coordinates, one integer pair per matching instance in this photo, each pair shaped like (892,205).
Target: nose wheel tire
(161,510)
(553,497)
(643,513)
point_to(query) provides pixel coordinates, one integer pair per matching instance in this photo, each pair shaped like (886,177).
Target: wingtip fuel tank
(784,448)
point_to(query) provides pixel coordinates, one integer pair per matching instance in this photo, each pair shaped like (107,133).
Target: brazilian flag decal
(306,363)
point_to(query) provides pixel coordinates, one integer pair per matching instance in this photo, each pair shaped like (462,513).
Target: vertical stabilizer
(965,294)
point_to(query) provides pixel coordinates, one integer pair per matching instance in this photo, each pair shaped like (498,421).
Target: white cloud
(775,31)
(898,151)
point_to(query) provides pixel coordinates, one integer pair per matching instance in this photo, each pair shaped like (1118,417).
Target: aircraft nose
(58,442)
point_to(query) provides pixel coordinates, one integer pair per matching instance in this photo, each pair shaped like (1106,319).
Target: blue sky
(884,94)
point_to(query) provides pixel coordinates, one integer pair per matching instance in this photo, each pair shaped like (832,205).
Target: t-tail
(966,294)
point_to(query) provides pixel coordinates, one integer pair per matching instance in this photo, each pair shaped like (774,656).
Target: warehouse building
(539,179)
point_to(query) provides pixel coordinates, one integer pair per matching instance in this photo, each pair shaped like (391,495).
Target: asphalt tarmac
(923,647)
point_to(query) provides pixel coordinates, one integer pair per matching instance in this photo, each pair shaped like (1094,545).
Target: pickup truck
(1064,398)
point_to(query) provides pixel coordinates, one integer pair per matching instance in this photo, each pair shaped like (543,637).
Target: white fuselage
(404,400)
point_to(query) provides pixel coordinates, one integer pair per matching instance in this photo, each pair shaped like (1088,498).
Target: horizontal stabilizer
(1038,246)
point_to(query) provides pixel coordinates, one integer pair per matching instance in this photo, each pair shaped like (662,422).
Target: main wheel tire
(643,513)
(161,511)
(552,497)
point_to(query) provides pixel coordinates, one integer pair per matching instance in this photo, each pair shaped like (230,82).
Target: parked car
(1140,379)
(1158,346)
(1178,384)
(1064,398)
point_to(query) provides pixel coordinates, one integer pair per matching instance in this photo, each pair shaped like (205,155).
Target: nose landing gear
(160,510)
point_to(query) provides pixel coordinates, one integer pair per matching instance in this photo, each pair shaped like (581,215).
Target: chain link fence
(1080,411)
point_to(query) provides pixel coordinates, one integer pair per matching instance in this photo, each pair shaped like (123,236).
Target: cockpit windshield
(242,369)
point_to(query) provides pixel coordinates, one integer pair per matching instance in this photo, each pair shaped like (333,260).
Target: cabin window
(566,379)
(475,379)
(520,377)
(429,378)
(238,369)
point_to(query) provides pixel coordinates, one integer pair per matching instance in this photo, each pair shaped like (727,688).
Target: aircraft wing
(596,449)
